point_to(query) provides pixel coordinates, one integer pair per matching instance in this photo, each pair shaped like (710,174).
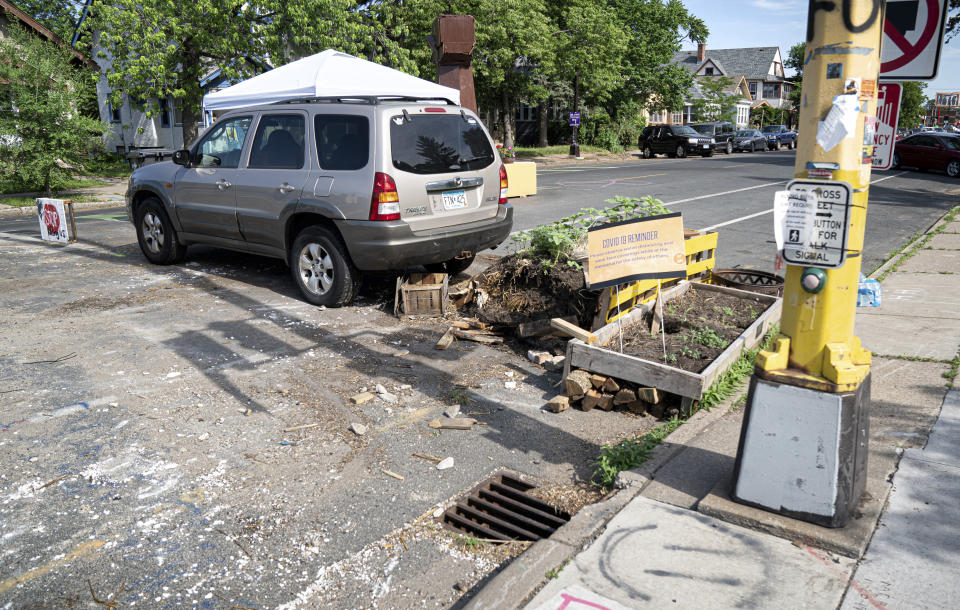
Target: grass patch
(459,396)
(466,542)
(107,166)
(26,202)
(562,149)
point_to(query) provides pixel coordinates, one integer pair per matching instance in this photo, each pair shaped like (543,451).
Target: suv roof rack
(365,99)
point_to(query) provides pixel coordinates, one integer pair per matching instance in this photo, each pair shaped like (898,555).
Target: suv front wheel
(729,147)
(157,237)
(681,151)
(322,269)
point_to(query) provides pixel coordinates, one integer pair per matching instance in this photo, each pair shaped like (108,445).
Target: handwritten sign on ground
(54,223)
(642,249)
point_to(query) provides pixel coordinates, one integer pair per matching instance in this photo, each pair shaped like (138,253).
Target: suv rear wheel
(322,269)
(647,152)
(156,235)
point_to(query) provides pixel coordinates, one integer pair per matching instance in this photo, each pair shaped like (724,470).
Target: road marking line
(749,216)
(749,188)
(736,220)
(607,183)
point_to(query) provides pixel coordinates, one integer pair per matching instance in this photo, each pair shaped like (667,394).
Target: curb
(32,211)
(519,581)
(908,249)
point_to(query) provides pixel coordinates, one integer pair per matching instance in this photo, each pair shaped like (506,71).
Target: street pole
(804,444)
(574,145)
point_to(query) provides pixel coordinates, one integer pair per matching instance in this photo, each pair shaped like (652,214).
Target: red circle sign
(911,51)
(51,218)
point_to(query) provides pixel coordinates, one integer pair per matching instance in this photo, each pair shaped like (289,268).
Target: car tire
(729,148)
(953,168)
(322,269)
(647,152)
(793,144)
(681,152)
(451,267)
(895,163)
(156,235)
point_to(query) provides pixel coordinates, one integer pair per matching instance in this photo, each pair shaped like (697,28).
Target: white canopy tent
(326,74)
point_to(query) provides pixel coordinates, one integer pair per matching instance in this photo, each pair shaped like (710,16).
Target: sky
(761,23)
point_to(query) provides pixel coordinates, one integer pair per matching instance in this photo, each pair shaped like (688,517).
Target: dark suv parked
(674,141)
(722,133)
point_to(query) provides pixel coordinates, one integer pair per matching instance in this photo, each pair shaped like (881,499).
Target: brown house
(11,13)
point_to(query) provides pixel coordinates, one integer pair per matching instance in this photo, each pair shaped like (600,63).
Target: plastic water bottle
(868,292)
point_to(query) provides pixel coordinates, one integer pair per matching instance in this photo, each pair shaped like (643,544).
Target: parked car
(333,188)
(721,132)
(674,141)
(927,150)
(749,139)
(779,136)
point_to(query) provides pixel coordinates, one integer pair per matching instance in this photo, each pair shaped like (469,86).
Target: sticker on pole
(811,219)
(912,39)
(888,113)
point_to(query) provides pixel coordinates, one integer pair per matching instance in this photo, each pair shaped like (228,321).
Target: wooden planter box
(599,359)
(421,294)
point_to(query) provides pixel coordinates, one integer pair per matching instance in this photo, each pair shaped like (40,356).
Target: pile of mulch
(522,290)
(694,326)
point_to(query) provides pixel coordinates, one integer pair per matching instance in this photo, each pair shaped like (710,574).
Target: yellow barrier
(521,178)
(701,258)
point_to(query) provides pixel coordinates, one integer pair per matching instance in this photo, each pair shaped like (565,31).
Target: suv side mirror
(182,157)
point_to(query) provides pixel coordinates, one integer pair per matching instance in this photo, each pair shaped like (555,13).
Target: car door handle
(286,187)
(223,184)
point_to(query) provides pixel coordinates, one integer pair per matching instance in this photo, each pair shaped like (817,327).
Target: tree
(795,61)
(766,115)
(716,104)
(953,19)
(159,48)
(59,16)
(43,136)
(913,104)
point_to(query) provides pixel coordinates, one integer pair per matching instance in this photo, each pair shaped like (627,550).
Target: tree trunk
(507,120)
(190,83)
(542,118)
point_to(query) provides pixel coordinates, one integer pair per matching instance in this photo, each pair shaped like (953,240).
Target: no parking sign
(912,39)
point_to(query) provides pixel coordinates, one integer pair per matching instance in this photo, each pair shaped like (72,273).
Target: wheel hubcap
(152,230)
(316,269)
(954,168)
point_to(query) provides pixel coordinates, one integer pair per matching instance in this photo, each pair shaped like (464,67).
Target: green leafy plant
(734,377)
(467,542)
(708,337)
(459,396)
(628,454)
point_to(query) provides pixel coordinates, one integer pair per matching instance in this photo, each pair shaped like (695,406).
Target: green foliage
(734,377)
(466,542)
(716,104)
(764,115)
(708,337)
(628,454)
(59,16)
(459,396)
(555,242)
(44,139)
(162,49)
(913,104)
(953,19)
(795,61)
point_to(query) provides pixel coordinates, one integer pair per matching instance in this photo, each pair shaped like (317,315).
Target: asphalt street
(735,193)
(179,436)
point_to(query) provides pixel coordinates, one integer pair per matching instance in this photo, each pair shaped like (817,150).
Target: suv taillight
(503,184)
(385,203)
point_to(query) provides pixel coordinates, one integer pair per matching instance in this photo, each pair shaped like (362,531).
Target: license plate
(706,146)
(454,200)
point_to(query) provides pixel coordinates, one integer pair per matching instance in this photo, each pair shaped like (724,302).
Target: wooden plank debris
(453,423)
(573,330)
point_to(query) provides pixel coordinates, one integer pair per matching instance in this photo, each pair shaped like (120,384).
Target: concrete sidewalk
(680,542)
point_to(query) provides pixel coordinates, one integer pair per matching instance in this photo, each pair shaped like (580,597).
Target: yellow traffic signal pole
(803,444)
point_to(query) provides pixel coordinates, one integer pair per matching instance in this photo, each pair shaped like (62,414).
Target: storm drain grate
(500,509)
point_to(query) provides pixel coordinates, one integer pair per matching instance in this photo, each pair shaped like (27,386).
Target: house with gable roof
(760,69)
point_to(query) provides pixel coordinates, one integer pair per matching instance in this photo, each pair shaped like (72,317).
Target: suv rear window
(437,144)
(343,141)
(706,130)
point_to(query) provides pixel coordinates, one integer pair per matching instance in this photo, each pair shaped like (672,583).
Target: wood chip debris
(390,473)
(453,423)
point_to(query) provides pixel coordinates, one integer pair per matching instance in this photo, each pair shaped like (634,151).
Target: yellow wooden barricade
(701,258)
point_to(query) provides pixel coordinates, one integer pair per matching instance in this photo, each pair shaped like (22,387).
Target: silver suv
(334,187)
